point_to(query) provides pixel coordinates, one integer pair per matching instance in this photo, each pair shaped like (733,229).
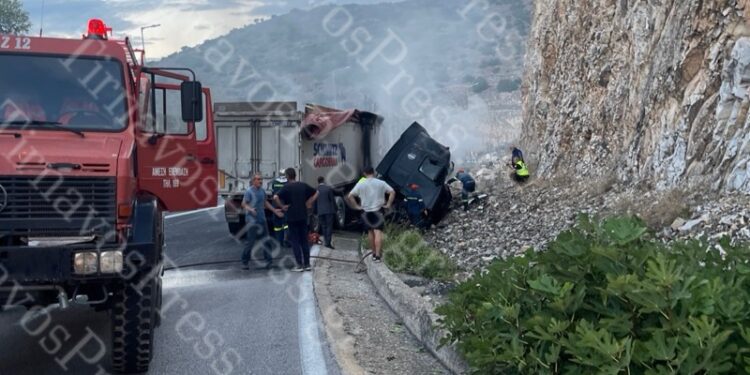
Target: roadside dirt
(365,334)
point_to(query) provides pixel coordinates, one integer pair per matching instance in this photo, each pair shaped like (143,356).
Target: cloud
(183,22)
(187,23)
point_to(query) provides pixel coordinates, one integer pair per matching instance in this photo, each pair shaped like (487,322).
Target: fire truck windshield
(80,93)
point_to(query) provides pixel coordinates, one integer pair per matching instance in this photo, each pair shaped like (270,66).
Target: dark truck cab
(418,158)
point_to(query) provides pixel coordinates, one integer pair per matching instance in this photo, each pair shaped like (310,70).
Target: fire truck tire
(159,300)
(134,317)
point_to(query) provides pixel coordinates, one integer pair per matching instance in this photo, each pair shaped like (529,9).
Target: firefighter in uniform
(279,223)
(468,186)
(415,207)
(521,173)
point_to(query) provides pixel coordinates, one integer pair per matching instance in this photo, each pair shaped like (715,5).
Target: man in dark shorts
(371,192)
(296,198)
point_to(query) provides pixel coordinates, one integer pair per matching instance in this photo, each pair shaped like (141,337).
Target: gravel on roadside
(381,343)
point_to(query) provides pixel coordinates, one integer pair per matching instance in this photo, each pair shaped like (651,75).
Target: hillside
(630,107)
(328,55)
(649,93)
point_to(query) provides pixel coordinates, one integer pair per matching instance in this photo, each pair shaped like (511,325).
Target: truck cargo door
(289,147)
(269,152)
(177,160)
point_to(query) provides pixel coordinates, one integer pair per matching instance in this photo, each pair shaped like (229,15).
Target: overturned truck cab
(418,158)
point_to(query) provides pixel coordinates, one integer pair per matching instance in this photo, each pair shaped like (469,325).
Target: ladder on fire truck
(130,54)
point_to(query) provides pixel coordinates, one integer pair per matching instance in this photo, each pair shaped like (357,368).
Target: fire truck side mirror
(192,101)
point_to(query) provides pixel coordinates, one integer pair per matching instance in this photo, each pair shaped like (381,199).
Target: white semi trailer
(267,137)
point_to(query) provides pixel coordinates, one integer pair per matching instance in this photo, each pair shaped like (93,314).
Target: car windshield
(83,94)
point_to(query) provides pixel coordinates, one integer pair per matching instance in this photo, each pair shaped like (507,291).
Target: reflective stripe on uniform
(521,169)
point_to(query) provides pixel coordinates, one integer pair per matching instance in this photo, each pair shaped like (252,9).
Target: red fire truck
(94,147)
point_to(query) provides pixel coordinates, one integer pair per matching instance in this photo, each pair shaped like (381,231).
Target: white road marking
(172,216)
(182,279)
(310,347)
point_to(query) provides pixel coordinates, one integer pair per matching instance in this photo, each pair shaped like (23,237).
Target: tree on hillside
(480,85)
(13,18)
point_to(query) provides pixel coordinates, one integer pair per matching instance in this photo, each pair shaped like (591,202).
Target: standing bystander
(280,226)
(326,210)
(296,198)
(254,203)
(371,192)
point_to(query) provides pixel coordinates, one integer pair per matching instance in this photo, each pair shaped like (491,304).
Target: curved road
(218,319)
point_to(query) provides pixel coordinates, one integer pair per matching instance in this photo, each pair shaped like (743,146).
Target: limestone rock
(678,223)
(655,93)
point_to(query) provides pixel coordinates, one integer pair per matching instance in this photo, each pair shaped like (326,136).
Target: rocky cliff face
(655,92)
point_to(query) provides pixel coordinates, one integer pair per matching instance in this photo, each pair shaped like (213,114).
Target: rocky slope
(630,107)
(653,93)
(517,218)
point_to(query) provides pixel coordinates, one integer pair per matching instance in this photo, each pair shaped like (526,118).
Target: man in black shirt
(296,198)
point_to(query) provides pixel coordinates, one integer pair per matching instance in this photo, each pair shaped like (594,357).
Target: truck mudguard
(144,221)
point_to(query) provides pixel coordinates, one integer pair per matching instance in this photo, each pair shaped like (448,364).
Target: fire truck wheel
(157,306)
(133,322)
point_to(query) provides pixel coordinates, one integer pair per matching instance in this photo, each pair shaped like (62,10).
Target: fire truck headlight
(111,262)
(85,263)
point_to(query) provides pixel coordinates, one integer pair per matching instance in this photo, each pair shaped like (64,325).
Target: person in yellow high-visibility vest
(521,173)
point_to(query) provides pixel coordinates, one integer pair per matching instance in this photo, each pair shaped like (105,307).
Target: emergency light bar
(97,29)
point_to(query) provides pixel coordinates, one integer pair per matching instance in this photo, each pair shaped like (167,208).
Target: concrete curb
(416,313)
(341,343)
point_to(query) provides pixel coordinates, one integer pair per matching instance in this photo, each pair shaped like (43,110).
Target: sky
(182,22)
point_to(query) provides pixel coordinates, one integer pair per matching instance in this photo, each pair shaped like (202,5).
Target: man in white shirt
(371,192)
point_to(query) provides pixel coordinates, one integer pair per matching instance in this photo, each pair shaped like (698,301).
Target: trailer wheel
(238,230)
(134,317)
(340,213)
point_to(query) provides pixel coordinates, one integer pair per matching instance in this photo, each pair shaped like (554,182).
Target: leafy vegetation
(405,251)
(13,19)
(606,298)
(508,85)
(480,85)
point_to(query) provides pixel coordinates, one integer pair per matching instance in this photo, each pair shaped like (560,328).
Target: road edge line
(172,216)
(312,359)
(340,342)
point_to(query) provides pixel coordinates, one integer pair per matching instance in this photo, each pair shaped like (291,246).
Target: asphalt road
(218,319)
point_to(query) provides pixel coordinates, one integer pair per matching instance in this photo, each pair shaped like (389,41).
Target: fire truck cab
(94,147)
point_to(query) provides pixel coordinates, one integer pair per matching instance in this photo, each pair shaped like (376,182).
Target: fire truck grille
(62,203)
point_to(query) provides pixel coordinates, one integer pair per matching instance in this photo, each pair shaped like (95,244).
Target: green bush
(468,78)
(405,251)
(480,85)
(606,298)
(490,62)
